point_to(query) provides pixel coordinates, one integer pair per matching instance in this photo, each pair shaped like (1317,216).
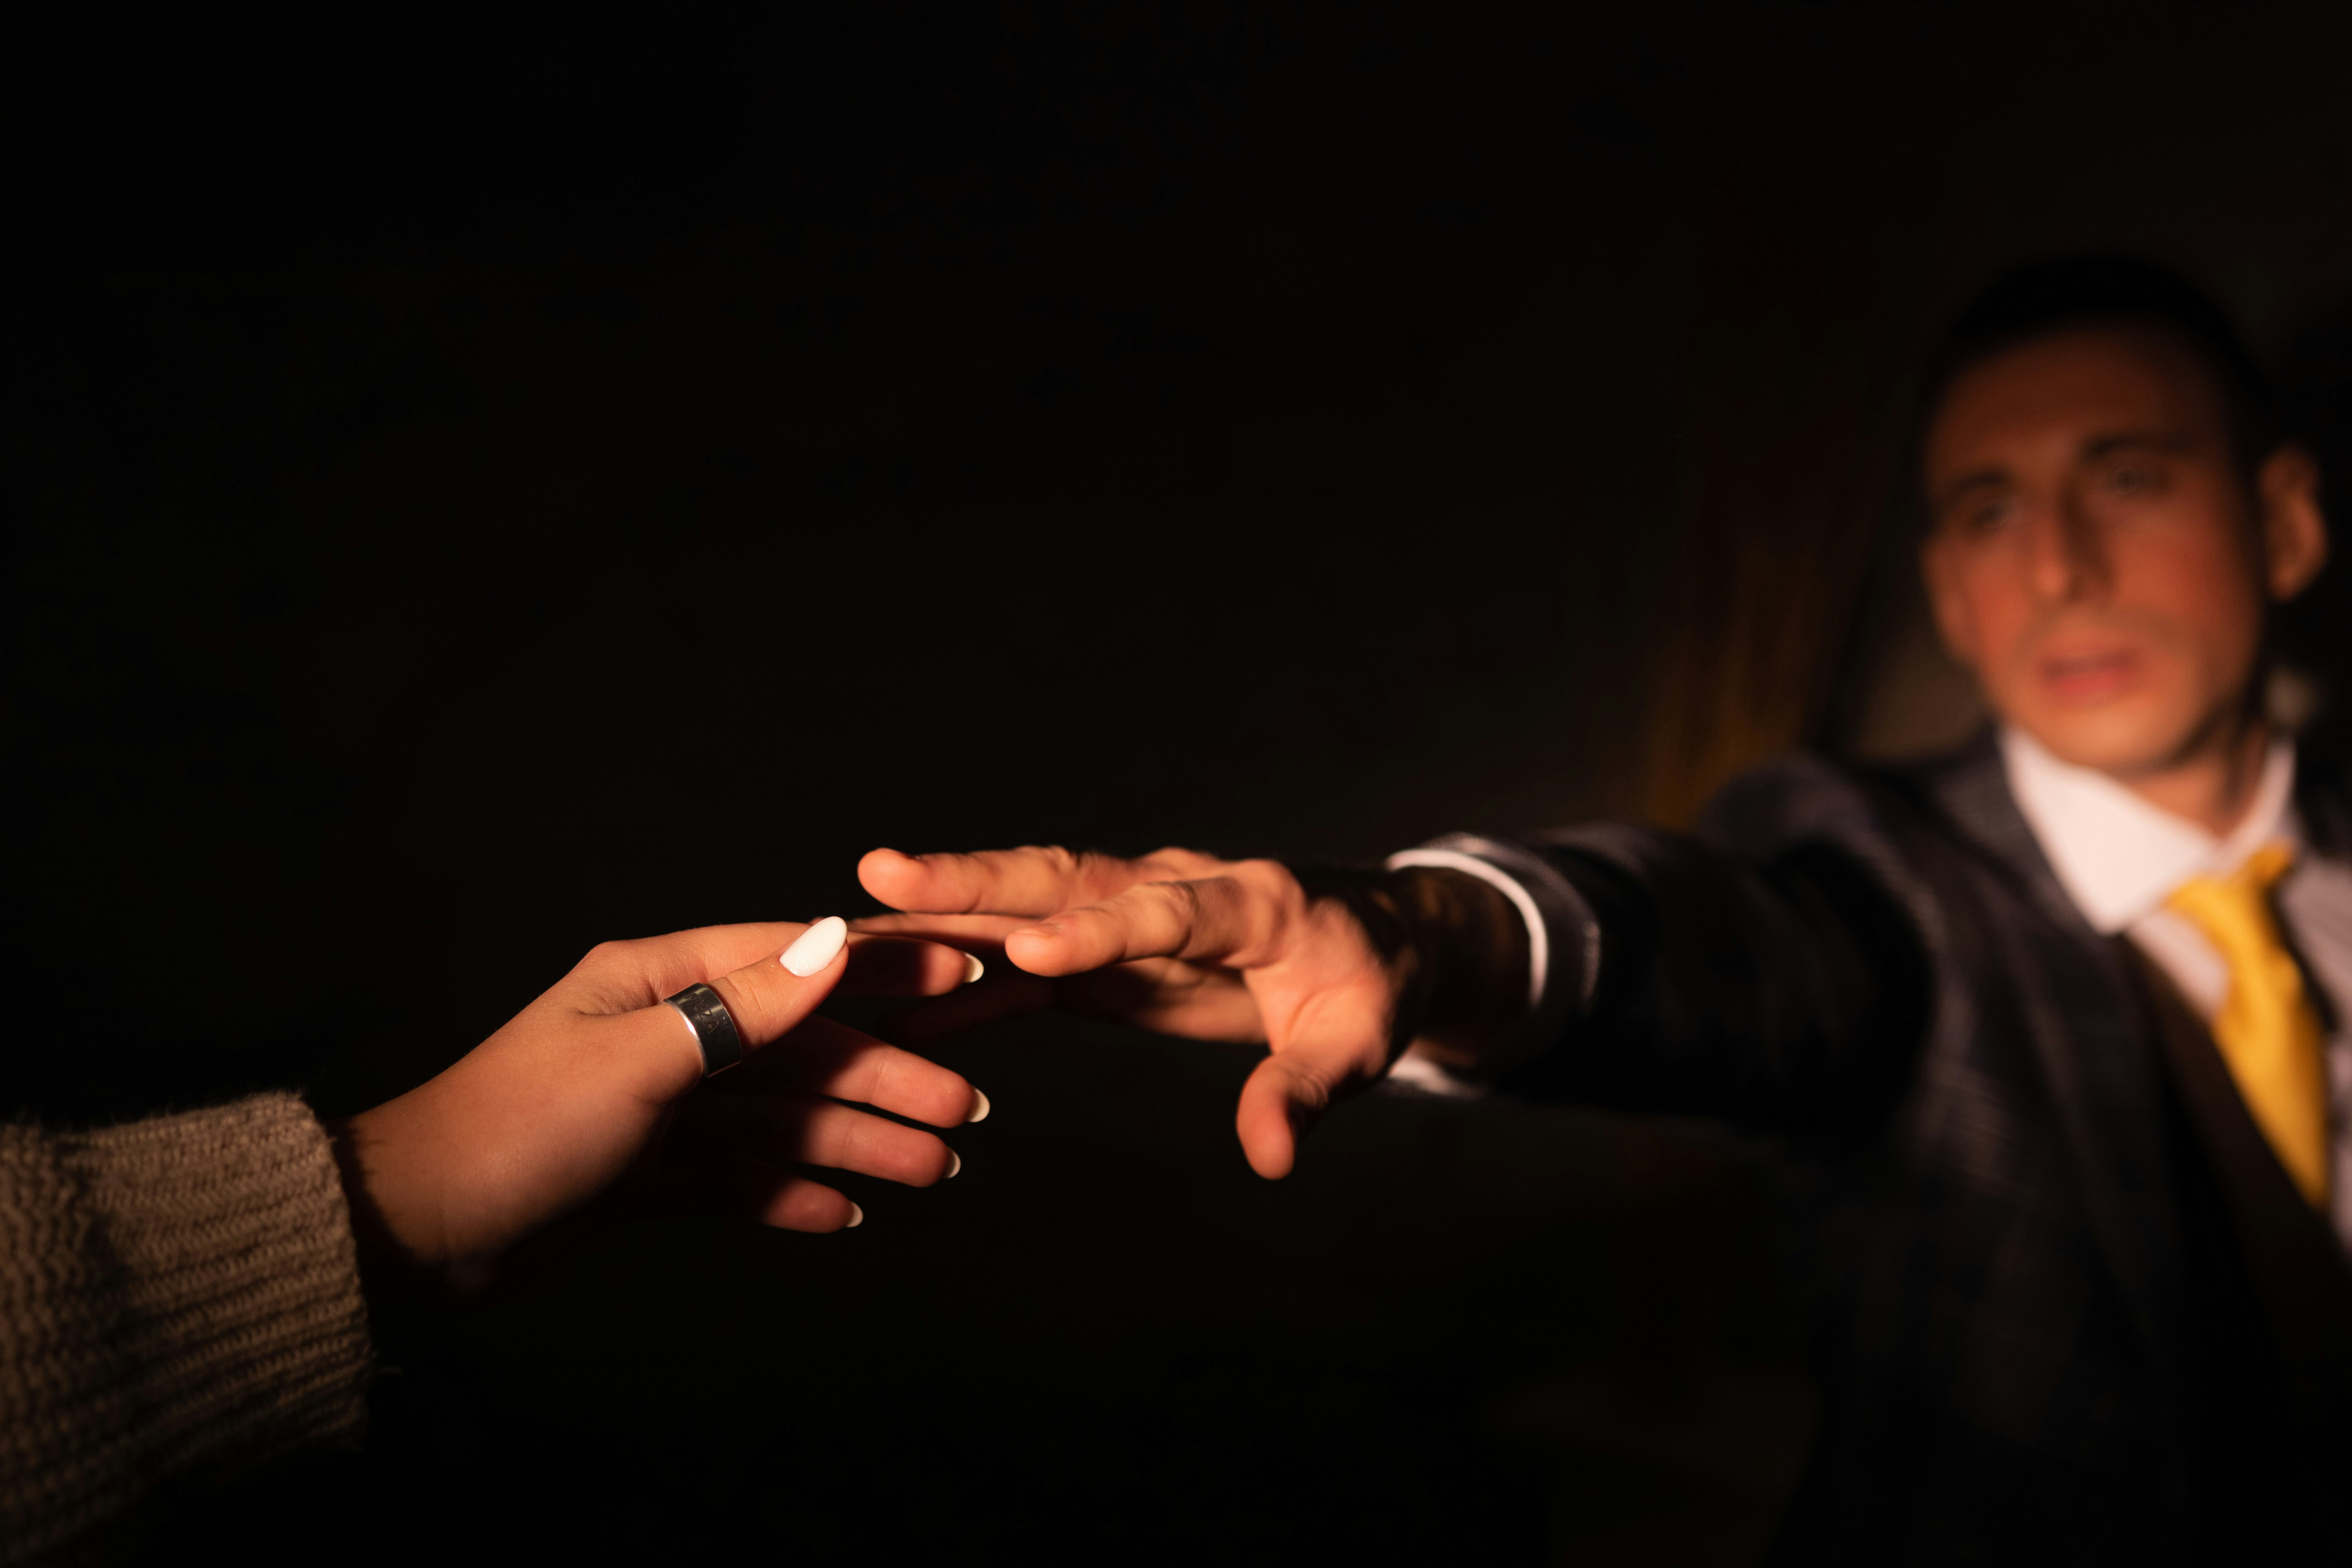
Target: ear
(1941,572)
(2294,530)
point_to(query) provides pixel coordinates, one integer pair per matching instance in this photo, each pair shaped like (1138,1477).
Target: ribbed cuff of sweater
(175,1293)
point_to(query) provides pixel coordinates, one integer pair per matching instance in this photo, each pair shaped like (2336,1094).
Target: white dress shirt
(2119,858)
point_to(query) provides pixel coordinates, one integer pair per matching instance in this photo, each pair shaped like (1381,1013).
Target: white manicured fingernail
(955,1163)
(979,1106)
(973,968)
(818,947)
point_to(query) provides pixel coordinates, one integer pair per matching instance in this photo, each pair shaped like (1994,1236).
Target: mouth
(2088,677)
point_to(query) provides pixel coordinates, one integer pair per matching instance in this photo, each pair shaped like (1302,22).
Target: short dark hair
(2044,297)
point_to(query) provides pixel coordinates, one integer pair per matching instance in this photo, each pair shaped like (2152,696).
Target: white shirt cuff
(1538,937)
(1563,945)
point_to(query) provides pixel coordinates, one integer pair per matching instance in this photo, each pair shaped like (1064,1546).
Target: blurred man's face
(2095,558)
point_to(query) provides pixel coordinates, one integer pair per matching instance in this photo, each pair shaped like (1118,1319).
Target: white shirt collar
(2117,856)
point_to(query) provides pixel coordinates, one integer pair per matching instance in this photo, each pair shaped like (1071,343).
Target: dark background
(479,494)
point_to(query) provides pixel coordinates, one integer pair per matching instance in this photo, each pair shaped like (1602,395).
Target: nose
(2069,554)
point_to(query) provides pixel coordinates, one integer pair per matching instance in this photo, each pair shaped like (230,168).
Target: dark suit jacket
(2067,1304)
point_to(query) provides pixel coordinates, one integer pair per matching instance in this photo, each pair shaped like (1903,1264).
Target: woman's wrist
(392,1269)
(385,1273)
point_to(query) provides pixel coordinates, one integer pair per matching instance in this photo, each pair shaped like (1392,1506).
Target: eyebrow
(1977,480)
(2137,441)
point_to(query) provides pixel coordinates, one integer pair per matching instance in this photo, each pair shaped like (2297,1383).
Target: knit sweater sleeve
(175,1293)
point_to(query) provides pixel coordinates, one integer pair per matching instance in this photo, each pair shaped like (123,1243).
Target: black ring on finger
(705,1012)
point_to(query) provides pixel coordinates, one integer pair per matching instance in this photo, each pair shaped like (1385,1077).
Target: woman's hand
(593,1096)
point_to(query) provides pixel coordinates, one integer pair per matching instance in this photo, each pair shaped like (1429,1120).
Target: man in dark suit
(2059,1021)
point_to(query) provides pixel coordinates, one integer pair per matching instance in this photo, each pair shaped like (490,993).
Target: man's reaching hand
(1335,982)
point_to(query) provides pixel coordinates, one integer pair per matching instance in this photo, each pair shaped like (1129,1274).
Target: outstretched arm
(1685,977)
(1785,992)
(181,1291)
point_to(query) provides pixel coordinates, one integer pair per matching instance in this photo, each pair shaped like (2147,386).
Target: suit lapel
(2087,1024)
(2320,800)
(1972,787)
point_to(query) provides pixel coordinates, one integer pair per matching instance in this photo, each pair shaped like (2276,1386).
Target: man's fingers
(1035,881)
(1334,1052)
(982,934)
(826,1057)
(1155,994)
(1221,919)
(1278,1105)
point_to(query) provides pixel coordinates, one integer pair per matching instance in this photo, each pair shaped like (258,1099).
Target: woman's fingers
(789,1129)
(880,965)
(623,976)
(733,1187)
(765,998)
(636,974)
(829,1058)
(769,996)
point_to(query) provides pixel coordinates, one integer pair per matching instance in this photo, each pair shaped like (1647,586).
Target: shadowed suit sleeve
(1768,968)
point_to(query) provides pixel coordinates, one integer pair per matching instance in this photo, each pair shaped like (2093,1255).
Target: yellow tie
(2266,1029)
